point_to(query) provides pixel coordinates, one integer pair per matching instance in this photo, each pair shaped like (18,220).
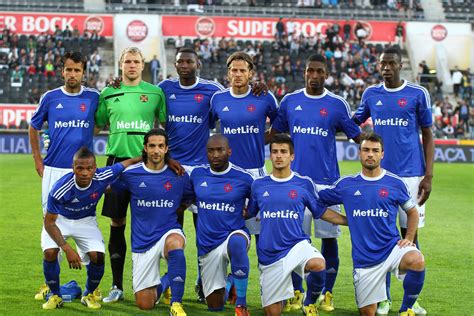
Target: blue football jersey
(220,199)
(371,206)
(155,195)
(71,201)
(313,122)
(397,115)
(242,121)
(187,123)
(281,203)
(70,120)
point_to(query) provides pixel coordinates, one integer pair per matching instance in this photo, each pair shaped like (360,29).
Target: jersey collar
(395,89)
(219,173)
(282,179)
(72,94)
(239,96)
(374,178)
(155,171)
(315,96)
(189,87)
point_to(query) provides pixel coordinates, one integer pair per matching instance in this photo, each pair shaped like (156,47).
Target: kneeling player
(283,246)
(371,200)
(156,194)
(221,189)
(71,213)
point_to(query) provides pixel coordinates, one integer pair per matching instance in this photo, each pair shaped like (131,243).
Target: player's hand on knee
(402,243)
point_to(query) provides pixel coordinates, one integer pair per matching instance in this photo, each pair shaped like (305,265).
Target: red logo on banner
(198,97)
(383,192)
(94,23)
(205,26)
(402,102)
(293,194)
(439,32)
(83,107)
(167,186)
(137,31)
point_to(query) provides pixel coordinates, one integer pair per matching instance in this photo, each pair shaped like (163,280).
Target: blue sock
(218,309)
(94,275)
(315,283)
(228,285)
(164,284)
(412,285)
(330,252)
(51,275)
(297,282)
(388,280)
(239,265)
(176,274)
(159,291)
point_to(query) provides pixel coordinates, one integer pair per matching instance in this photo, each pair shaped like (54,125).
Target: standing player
(313,116)
(156,193)
(221,189)
(130,112)
(283,246)
(71,213)
(242,117)
(69,111)
(371,200)
(399,109)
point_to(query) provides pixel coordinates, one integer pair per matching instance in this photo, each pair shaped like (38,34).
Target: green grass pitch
(447,243)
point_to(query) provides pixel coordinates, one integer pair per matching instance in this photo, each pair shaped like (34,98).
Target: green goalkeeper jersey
(130,113)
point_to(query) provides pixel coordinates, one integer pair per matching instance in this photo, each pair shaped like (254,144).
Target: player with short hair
(283,246)
(156,193)
(313,115)
(130,112)
(371,201)
(242,117)
(399,110)
(221,189)
(69,111)
(70,213)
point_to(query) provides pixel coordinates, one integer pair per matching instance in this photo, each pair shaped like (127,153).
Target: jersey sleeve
(212,113)
(108,175)
(350,128)
(53,204)
(101,117)
(423,110)
(188,192)
(330,196)
(405,201)
(312,201)
(272,110)
(40,115)
(281,121)
(121,184)
(363,112)
(252,207)
(161,109)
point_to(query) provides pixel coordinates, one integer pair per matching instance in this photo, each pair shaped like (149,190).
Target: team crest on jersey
(227,188)
(198,98)
(323,112)
(402,102)
(383,192)
(144,98)
(251,108)
(293,194)
(83,107)
(94,195)
(167,186)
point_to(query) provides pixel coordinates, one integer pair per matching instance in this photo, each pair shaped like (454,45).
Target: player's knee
(51,254)
(416,261)
(315,265)
(145,304)
(117,222)
(145,299)
(368,310)
(174,241)
(97,258)
(273,310)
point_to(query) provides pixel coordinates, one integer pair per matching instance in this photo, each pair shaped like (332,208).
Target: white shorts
(253,224)
(50,176)
(84,231)
(193,208)
(275,279)
(214,266)
(146,265)
(369,283)
(412,183)
(322,229)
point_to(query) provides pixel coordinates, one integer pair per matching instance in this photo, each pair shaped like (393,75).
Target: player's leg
(274,309)
(368,310)
(413,265)
(275,285)
(215,300)
(213,267)
(51,270)
(237,247)
(95,272)
(174,252)
(315,283)
(115,206)
(369,284)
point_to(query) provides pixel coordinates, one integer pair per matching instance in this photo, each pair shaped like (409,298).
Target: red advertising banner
(36,23)
(220,26)
(13,114)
